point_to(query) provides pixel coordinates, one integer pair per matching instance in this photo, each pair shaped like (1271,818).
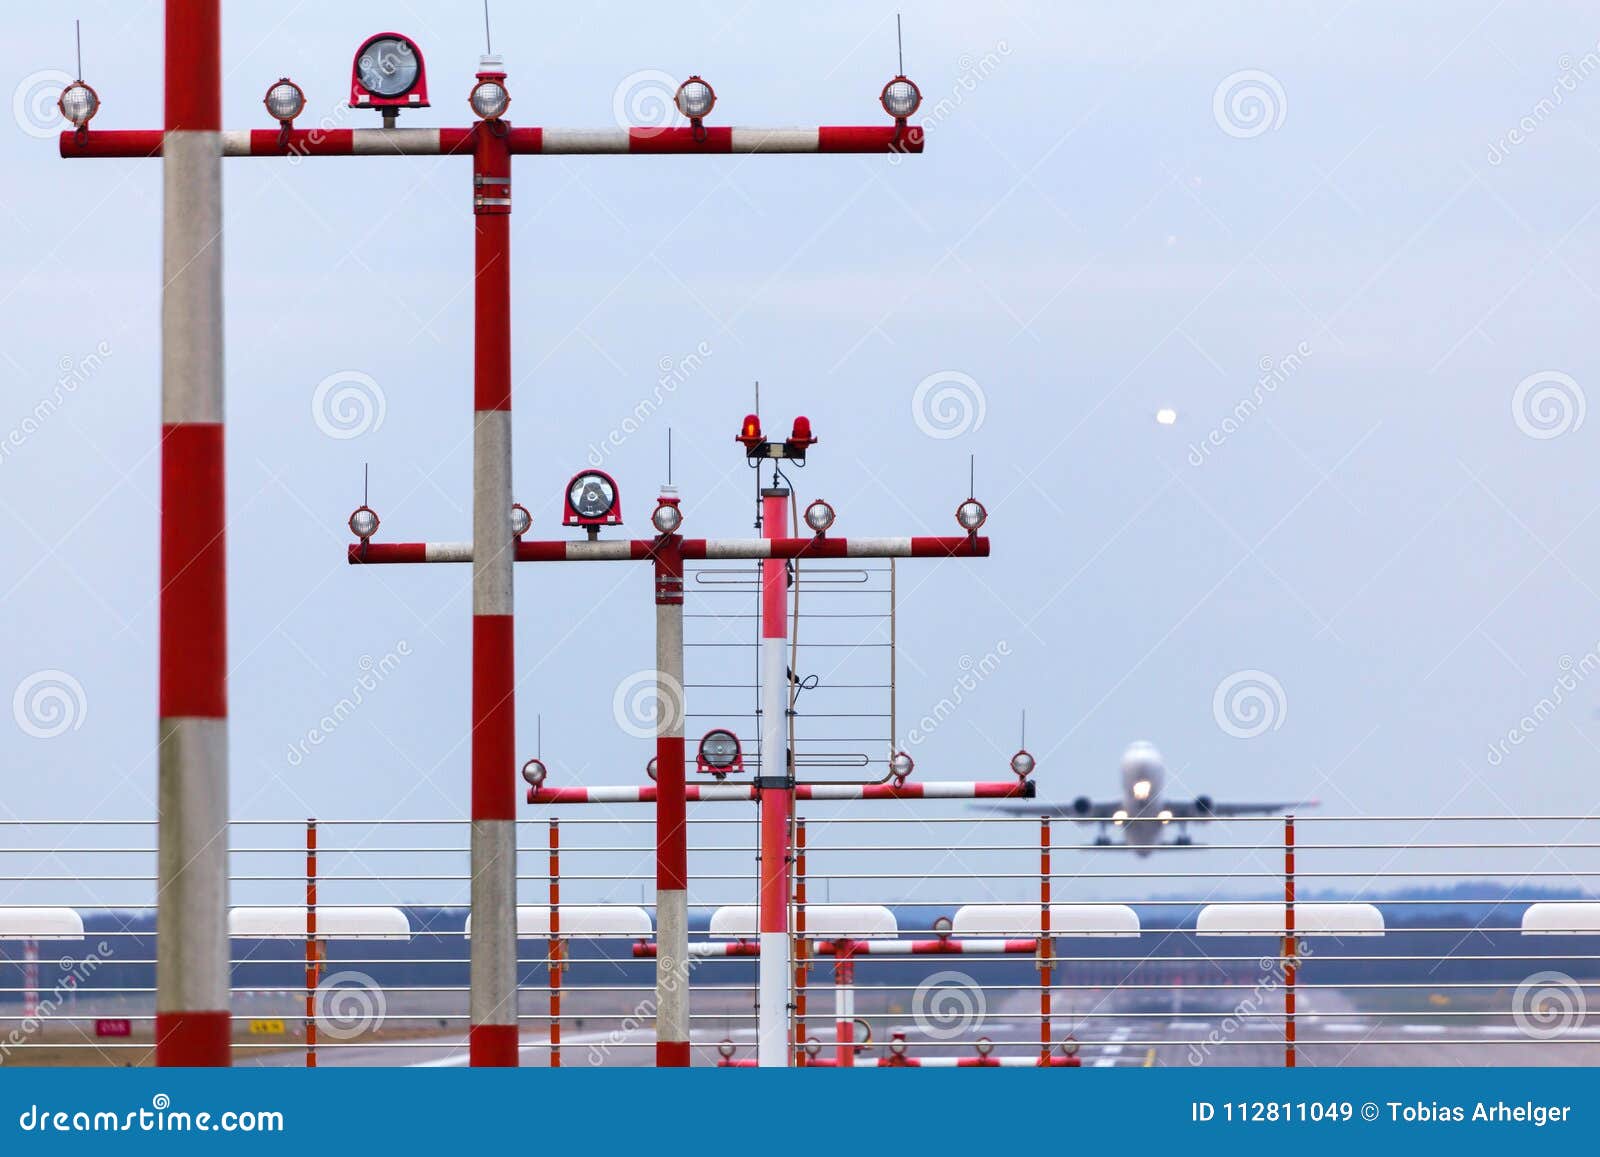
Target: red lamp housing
(592,500)
(388,73)
(800,439)
(750,434)
(719,754)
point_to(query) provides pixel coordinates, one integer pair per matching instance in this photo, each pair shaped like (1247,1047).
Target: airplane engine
(1083,805)
(1202,805)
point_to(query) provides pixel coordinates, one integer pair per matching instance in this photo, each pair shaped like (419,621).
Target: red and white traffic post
(192,974)
(775,785)
(388,75)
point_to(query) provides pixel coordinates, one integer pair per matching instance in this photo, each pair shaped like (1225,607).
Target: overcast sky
(1351,245)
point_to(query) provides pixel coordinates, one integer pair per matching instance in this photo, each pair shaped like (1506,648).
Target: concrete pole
(492,1037)
(192,1025)
(776,788)
(672,852)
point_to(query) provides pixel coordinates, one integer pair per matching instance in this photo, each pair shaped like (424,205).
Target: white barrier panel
(1309,920)
(334,922)
(1576,918)
(1065,920)
(40,924)
(823,922)
(585,920)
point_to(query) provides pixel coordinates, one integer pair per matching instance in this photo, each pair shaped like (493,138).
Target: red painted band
(492,314)
(113,143)
(194,65)
(379,552)
(493,1046)
(194,619)
(452,141)
(707,139)
(672,1054)
(874,139)
(975,547)
(525,140)
(193,1040)
(494,769)
(672,852)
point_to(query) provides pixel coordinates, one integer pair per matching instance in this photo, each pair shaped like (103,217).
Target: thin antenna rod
(538,720)
(972,475)
(669,455)
(77,32)
(488,43)
(1024,742)
(366,468)
(899,44)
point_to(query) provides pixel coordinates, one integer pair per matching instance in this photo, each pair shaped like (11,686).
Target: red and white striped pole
(672,852)
(776,787)
(844,1003)
(192,1025)
(492,1036)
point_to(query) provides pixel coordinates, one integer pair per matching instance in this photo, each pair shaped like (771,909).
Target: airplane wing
(1211,810)
(1074,810)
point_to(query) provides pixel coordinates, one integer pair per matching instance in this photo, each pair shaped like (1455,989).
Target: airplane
(1142,816)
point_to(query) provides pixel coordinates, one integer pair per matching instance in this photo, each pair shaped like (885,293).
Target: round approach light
(364,522)
(813,1046)
(901,98)
(971,515)
(695,98)
(650,768)
(667,518)
(489,99)
(726,1049)
(285,100)
(1069,1047)
(897,1045)
(388,66)
(521,520)
(942,926)
(534,772)
(591,497)
(819,516)
(1022,764)
(719,750)
(900,765)
(984,1045)
(78,103)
